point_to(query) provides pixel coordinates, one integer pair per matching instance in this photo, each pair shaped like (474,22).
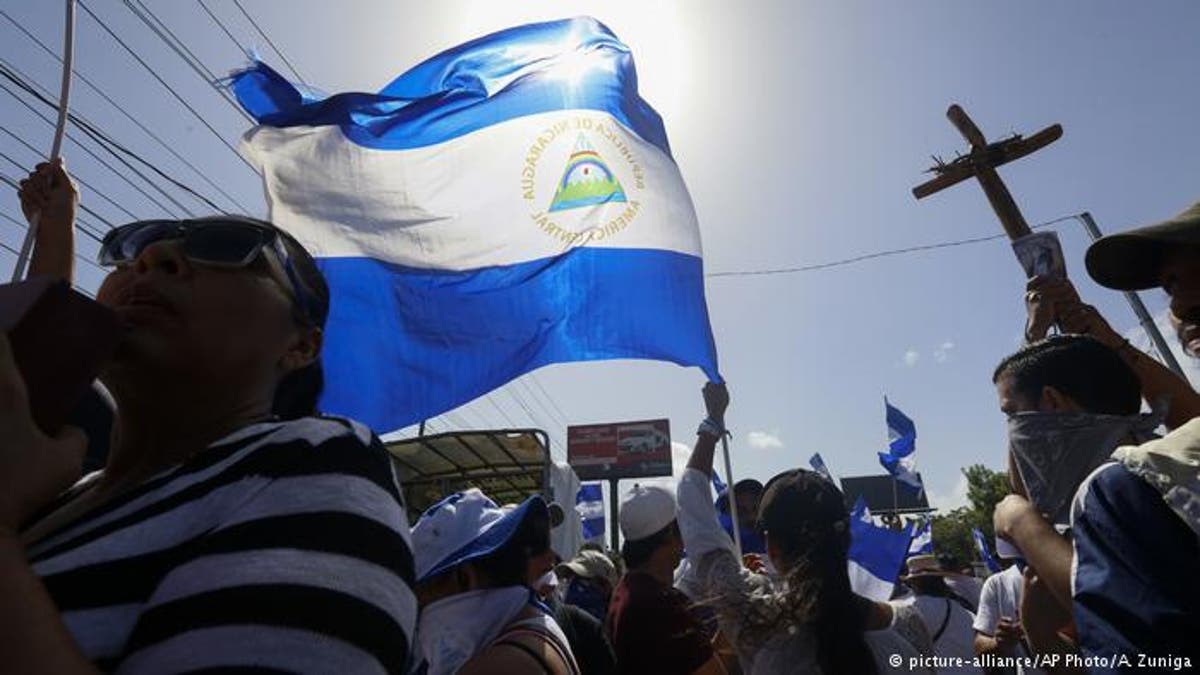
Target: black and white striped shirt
(284,546)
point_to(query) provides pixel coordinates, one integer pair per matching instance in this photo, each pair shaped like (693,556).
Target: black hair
(637,553)
(805,517)
(299,391)
(509,565)
(1090,373)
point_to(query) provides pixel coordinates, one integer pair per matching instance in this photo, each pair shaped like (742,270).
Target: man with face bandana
(1128,573)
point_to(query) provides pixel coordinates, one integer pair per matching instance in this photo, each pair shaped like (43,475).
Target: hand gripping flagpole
(64,98)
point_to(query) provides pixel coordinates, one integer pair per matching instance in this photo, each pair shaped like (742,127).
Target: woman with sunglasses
(230,526)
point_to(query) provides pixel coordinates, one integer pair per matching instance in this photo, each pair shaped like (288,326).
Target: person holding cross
(1133,521)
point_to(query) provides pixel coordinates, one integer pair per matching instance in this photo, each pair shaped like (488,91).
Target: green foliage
(952,531)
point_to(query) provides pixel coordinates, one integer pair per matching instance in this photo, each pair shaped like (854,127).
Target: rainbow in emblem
(586,181)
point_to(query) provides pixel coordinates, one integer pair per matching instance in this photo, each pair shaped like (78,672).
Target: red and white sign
(620,450)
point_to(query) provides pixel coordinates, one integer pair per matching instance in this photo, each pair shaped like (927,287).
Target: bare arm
(1055,300)
(49,195)
(1043,619)
(1046,551)
(33,469)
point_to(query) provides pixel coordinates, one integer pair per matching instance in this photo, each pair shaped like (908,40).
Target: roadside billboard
(620,450)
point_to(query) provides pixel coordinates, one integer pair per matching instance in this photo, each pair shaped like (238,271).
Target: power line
(511,424)
(9,72)
(81,181)
(90,152)
(121,109)
(91,231)
(8,179)
(879,254)
(221,25)
(159,28)
(270,42)
(163,82)
(553,405)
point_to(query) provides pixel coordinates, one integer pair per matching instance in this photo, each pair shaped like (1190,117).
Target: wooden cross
(981,164)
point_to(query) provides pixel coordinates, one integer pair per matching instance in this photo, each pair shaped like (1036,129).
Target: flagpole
(731,497)
(64,98)
(895,500)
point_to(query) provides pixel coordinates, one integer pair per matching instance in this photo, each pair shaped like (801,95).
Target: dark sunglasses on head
(215,242)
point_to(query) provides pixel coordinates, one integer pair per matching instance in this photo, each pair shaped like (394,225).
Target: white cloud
(948,502)
(942,353)
(911,357)
(763,440)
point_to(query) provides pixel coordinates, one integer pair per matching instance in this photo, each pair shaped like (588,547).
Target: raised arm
(716,401)
(1055,300)
(49,195)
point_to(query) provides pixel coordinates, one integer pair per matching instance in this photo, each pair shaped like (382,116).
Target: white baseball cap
(463,527)
(645,510)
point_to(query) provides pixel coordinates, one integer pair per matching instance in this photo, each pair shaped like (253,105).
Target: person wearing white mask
(478,615)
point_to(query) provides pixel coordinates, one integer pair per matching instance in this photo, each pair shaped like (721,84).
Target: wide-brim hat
(466,526)
(924,566)
(1133,260)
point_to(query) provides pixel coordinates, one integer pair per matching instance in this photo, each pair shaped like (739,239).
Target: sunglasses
(213,242)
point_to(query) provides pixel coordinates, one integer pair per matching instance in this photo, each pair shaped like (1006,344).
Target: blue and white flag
(509,203)
(876,555)
(719,485)
(922,539)
(589,503)
(818,465)
(901,460)
(984,554)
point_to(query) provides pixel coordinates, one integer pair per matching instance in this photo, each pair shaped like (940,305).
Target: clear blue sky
(800,128)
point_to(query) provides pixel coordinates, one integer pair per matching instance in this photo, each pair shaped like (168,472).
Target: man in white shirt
(997,623)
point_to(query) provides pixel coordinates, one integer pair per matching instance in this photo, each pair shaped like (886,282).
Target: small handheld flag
(818,465)
(922,539)
(900,459)
(984,554)
(876,554)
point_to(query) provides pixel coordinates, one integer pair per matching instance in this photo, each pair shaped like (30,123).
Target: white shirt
(1001,599)
(735,593)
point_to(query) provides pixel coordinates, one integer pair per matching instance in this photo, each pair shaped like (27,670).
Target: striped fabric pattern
(283,546)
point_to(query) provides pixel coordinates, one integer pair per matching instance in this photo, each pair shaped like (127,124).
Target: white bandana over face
(452,630)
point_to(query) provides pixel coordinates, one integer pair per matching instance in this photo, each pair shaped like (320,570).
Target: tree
(952,531)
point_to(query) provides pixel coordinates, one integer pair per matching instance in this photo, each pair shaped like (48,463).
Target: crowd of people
(230,526)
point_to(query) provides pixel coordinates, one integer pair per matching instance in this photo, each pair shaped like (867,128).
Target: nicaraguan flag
(876,555)
(984,554)
(922,539)
(509,203)
(900,460)
(589,504)
(818,465)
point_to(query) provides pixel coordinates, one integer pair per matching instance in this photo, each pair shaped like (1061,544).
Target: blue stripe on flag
(410,344)
(572,64)
(878,550)
(922,539)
